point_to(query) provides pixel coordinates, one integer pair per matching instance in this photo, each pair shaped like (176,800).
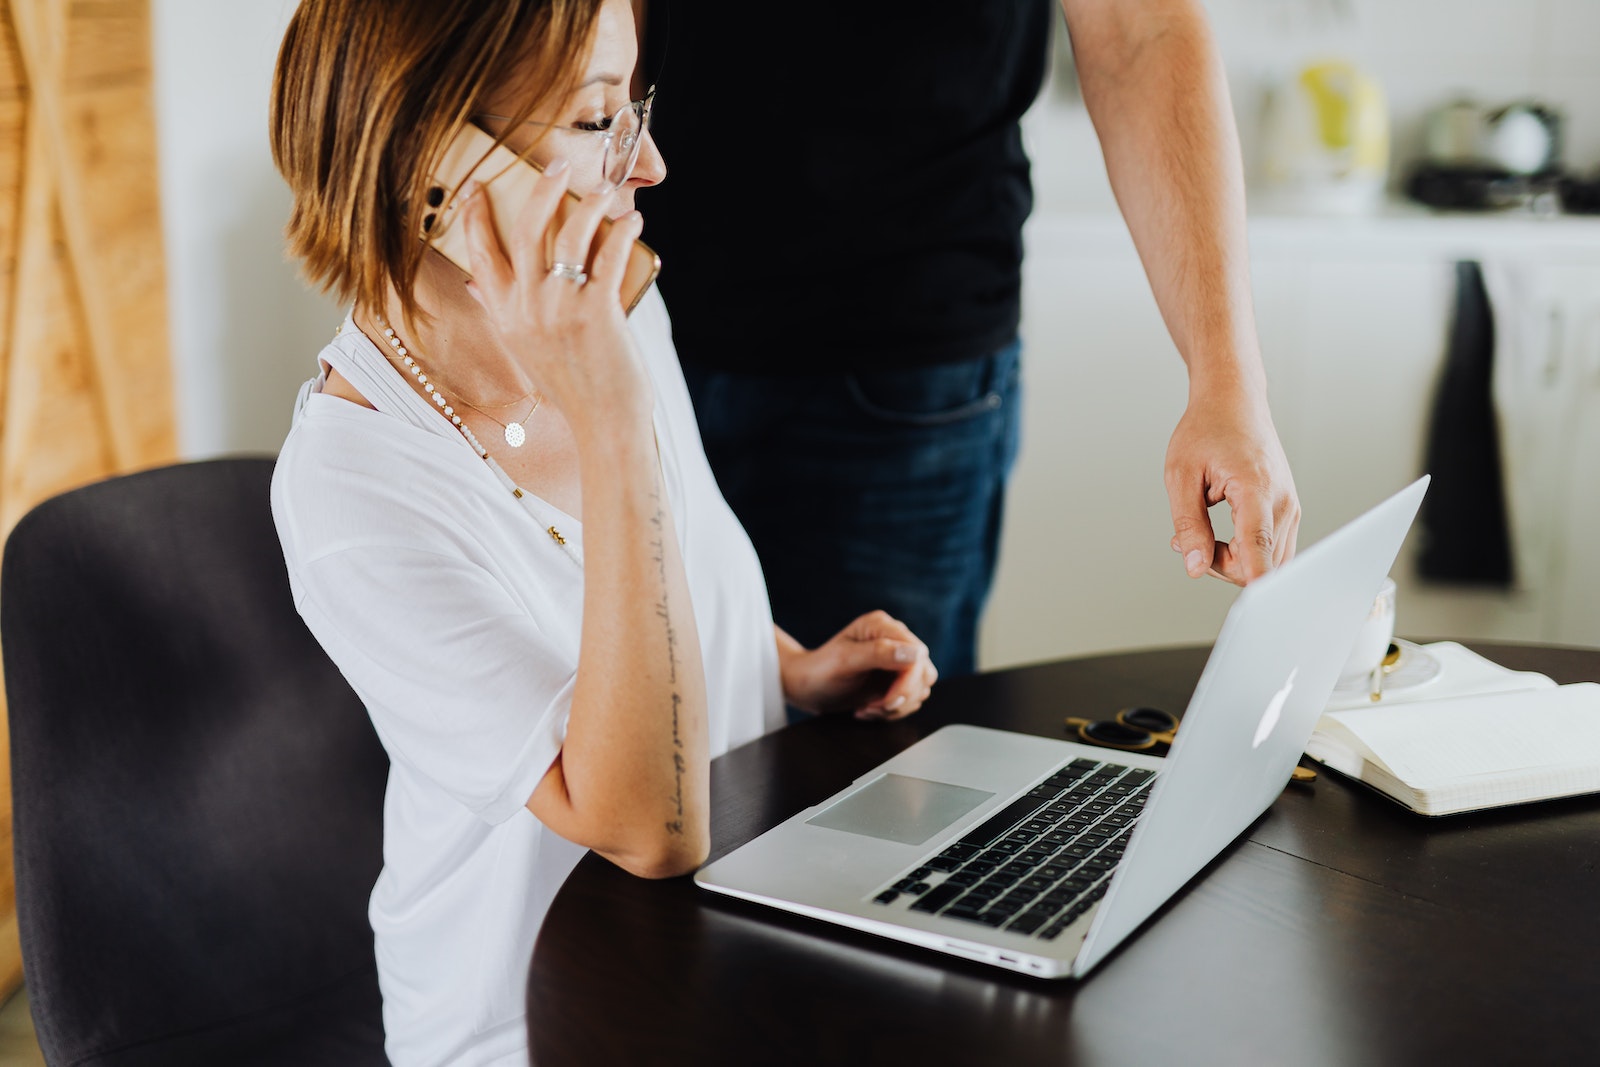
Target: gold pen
(1385,665)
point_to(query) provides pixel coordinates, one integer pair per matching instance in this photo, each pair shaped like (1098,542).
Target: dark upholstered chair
(197,791)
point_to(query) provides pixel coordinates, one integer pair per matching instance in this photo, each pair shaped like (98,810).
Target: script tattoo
(679,765)
(675,826)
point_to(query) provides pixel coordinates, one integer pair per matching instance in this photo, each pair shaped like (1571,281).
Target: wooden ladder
(86,387)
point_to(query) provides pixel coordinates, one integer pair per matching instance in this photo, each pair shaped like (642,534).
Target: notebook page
(1432,743)
(1463,672)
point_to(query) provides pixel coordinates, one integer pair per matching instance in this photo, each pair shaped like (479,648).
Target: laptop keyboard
(1040,862)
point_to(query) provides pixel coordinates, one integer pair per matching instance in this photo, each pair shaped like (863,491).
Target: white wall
(245,328)
(1331,299)
(1422,52)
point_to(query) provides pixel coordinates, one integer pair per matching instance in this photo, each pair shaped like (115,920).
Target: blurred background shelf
(1354,317)
(1354,310)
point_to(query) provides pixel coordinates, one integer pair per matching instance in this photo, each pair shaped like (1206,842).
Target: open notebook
(1474,736)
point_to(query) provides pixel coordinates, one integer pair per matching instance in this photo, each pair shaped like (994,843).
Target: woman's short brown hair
(366,96)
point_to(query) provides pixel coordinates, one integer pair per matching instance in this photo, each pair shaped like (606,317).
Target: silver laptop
(1041,855)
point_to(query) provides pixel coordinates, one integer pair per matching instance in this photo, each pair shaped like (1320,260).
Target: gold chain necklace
(450,413)
(516,433)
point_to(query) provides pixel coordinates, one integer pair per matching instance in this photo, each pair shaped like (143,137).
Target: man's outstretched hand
(1227,449)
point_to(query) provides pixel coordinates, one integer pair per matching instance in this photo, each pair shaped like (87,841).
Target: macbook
(1041,855)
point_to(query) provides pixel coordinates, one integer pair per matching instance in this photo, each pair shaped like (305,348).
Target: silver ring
(573,271)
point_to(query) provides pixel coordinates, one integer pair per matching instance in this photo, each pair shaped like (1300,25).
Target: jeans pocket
(931,396)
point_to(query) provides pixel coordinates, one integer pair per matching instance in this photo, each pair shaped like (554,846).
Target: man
(841,234)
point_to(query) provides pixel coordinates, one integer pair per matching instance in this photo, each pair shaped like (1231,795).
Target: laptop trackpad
(899,808)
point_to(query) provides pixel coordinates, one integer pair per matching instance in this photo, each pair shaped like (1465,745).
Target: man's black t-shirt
(846,182)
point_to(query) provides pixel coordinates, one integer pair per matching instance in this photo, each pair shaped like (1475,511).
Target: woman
(553,627)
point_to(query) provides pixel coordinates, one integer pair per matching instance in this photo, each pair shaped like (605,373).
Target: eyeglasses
(622,134)
(1138,728)
(1133,729)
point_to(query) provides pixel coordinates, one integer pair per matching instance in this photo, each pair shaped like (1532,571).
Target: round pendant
(515,434)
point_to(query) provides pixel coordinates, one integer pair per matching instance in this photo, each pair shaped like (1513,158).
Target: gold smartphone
(508,179)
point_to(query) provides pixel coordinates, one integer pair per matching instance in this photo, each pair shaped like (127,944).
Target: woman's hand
(875,667)
(570,336)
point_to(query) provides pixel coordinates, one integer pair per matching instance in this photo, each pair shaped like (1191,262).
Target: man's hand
(1157,91)
(1226,448)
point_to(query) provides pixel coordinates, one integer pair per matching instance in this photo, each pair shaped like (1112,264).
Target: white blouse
(455,615)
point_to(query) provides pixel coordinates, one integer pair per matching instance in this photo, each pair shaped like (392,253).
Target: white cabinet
(1084,562)
(1574,615)
(1354,319)
(1547,390)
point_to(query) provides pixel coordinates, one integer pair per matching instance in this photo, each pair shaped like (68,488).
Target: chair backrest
(197,791)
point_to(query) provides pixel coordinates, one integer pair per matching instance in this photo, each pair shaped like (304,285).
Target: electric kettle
(1325,143)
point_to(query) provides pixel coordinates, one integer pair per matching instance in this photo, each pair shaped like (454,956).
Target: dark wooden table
(1341,929)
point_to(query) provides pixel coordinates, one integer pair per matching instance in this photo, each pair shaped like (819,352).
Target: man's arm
(1157,94)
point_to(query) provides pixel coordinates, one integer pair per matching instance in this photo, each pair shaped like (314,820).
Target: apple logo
(1270,717)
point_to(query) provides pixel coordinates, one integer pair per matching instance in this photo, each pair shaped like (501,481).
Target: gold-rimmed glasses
(622,134)
(1134,729)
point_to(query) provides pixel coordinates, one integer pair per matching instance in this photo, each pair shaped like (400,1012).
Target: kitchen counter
(1354,315)
(1399,228)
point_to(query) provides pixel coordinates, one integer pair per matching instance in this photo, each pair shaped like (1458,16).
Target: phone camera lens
(435,196)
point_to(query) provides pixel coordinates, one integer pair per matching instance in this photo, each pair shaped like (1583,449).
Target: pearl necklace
(428,387)
(516,432)
(449,411)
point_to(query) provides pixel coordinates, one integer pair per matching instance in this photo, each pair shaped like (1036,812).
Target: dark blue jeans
(882,489)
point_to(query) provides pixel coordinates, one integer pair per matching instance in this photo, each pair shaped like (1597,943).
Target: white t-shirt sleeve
(461,682)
